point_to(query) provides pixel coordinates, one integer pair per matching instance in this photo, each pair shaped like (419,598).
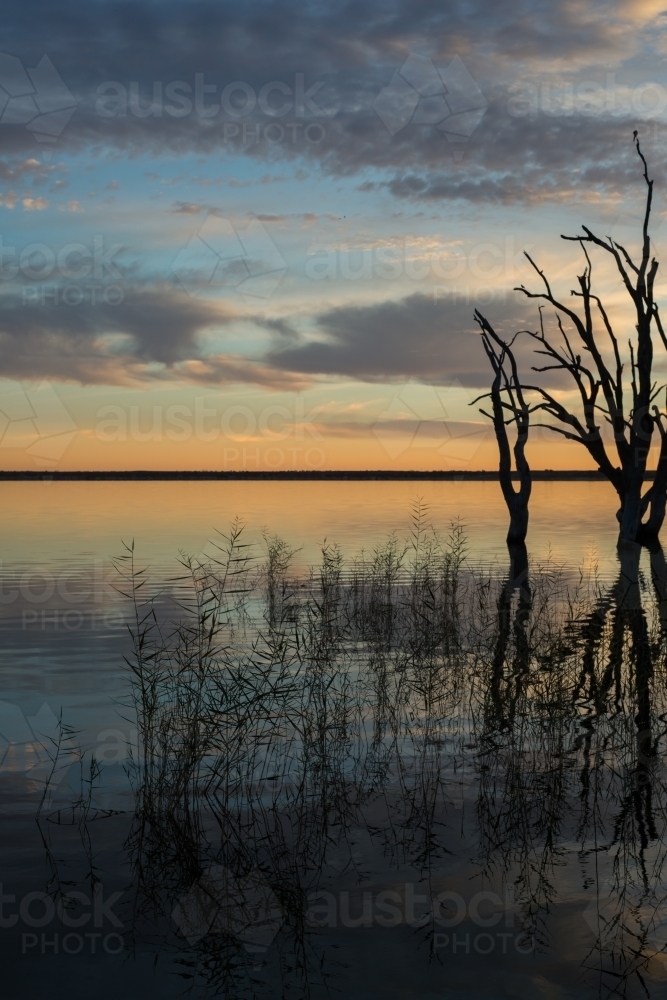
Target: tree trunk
(504,687)
(649,530)
(627,589)
(518,573)
(517,500)
(657,497)
(631,514)
(518,509)
(634,506)
(659,578)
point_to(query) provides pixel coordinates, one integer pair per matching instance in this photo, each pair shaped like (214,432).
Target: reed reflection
(572,764)
(318,753)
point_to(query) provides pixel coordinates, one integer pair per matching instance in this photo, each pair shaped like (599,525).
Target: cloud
(156,334)
(144,336)
(350,60)
(417,336)
(224,369)
(159,334)
(187,208)
(27,168)
(35,204)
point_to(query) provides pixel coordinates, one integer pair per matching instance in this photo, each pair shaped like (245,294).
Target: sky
(253,236)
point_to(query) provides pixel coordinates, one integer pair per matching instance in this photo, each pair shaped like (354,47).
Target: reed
(296,729)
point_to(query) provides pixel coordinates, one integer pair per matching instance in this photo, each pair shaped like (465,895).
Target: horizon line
(388,475)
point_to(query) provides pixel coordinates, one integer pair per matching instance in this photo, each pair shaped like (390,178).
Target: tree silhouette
(508,407)
(623,394)
(621,391)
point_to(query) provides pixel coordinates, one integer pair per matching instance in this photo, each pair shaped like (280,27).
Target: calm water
(64,639)
(58,524)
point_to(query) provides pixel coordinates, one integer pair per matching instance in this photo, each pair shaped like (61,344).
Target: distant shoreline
(378,475)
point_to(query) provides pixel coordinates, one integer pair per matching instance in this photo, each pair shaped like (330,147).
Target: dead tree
(623,394)
(508,406)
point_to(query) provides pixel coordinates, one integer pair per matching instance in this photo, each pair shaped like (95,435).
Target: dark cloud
(352,51)
(418,337)
(159,334)
(100,343)
(508,159)
(145,40)
(155,334)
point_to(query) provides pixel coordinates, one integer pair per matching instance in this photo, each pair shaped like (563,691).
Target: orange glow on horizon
(328,453)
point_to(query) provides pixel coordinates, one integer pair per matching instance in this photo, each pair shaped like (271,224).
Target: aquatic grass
(294,725)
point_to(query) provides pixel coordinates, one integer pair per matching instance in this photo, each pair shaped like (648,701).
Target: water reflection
(395,770)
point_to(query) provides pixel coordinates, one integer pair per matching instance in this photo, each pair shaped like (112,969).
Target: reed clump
(299,729)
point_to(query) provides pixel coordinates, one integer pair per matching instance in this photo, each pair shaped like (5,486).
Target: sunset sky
(252,236)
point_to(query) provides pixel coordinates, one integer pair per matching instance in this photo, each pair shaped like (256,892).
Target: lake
(416,782)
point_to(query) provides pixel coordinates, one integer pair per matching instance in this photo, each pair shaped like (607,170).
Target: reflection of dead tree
(538,754)
(659,579)
(636,805)
(523,731)
(319,743)
(630,850)
(508,406)
(511,626)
